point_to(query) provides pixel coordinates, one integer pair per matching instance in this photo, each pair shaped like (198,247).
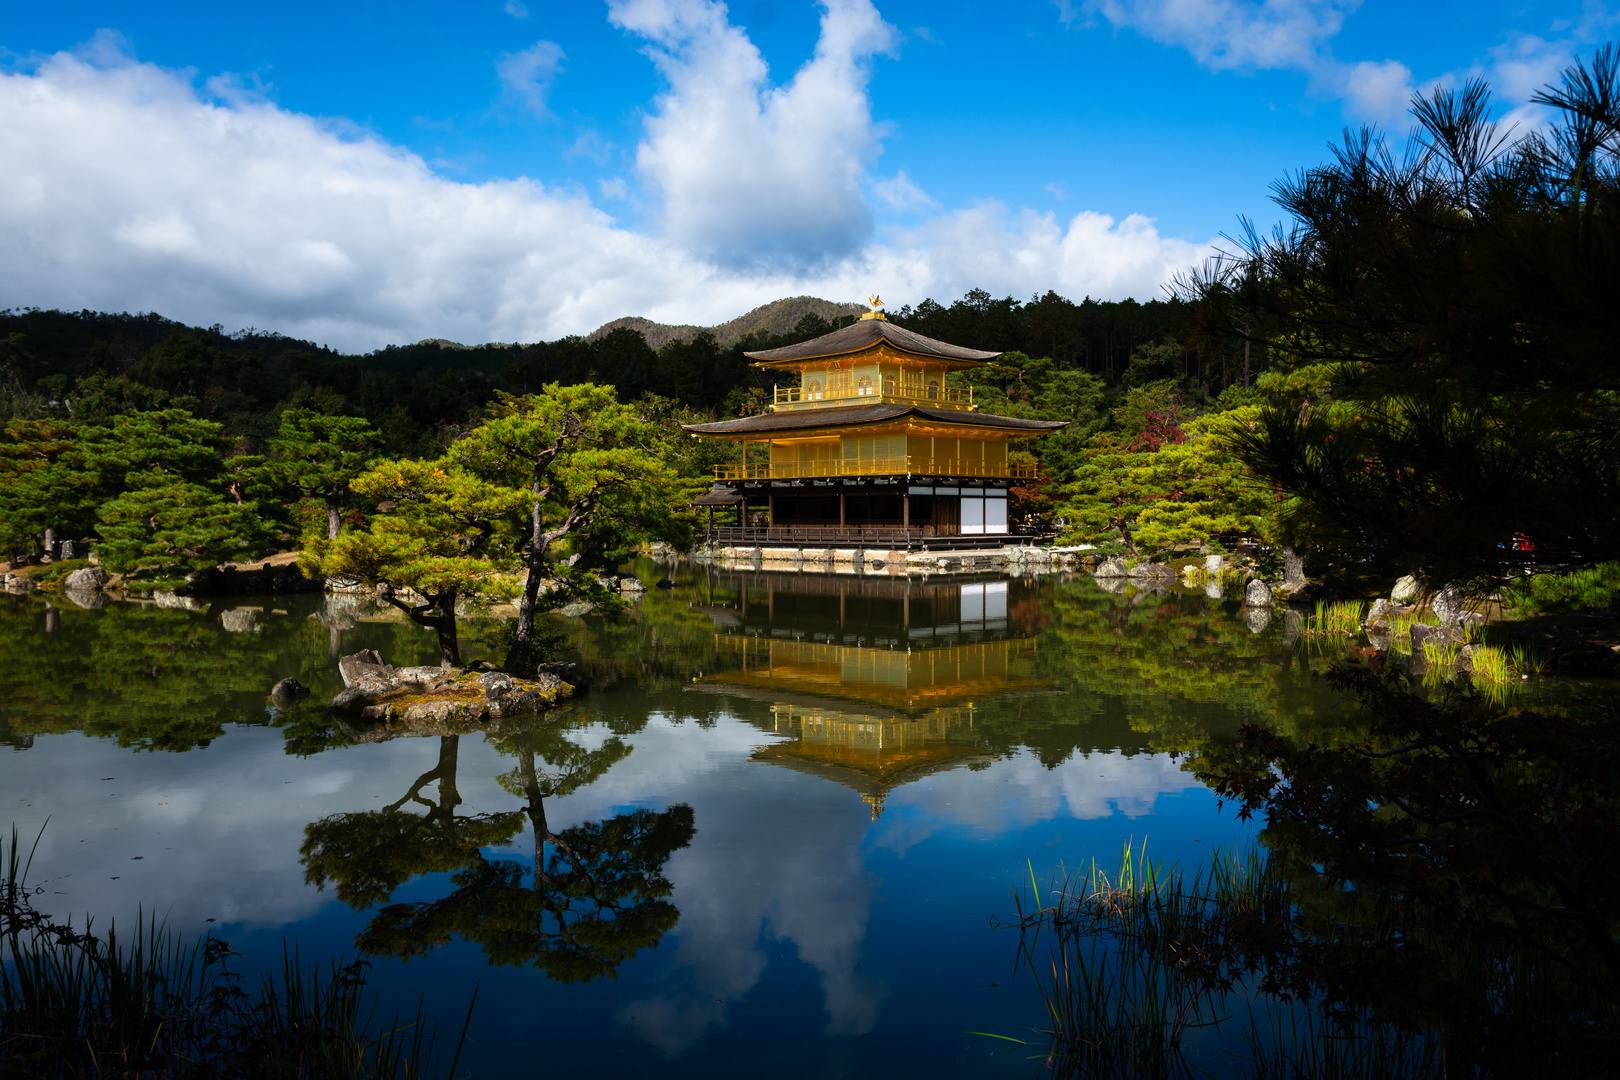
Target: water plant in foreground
(1342,617)
(75,1003)
(1434,893)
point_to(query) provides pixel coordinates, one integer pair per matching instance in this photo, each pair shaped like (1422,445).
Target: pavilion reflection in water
(874,680)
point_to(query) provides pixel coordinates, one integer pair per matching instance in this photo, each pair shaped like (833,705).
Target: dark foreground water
(795,805)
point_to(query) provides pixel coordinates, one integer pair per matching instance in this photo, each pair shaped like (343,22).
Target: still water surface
(797,804)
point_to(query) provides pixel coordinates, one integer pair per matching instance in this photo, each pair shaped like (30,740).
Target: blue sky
(371,173)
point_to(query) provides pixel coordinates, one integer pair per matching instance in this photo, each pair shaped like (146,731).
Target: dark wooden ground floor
(903,513)
(906,509)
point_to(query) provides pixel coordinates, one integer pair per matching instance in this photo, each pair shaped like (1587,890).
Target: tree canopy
(1452,306)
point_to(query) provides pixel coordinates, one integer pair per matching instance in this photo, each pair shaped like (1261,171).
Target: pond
(797,804)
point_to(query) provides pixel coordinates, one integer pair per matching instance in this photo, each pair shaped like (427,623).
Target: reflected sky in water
(872,766)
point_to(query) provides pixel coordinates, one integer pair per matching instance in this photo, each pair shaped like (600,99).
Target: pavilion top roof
(865,334)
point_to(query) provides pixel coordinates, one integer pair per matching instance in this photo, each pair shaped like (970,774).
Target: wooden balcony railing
(948,396)
(875,466)
(914,538)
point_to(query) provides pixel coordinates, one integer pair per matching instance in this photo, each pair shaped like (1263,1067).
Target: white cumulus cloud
(126,187)
(1297,35)
(750,172)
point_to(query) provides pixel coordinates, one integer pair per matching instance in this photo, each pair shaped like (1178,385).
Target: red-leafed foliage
(1161,428)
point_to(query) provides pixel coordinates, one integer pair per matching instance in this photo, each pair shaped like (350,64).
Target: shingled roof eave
(811,419)
(882,332)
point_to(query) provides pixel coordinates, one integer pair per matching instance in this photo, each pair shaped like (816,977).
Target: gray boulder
(288,690)
(1213,565)
(496,684)
(1114,567)
(88,579)
(1257,594)
(1152,572)
(1293,570)
(1448,606)
(576,609)
(18,585)
(366,662)
(1439,635)
(1380,610)
(1406,590)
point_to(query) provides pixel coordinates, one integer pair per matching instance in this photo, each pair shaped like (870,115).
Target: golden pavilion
(868,443)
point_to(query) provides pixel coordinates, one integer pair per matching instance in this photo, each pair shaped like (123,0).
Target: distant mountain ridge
(777,317)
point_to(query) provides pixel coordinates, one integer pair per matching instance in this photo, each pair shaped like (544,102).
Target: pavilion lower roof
(854,415)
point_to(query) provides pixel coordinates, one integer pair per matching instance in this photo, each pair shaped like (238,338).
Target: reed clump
(1342,618)
(152,1006)
(1271,970)
(1130,964)
(1491,665)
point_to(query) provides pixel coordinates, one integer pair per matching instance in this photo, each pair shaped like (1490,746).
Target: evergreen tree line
(88,366)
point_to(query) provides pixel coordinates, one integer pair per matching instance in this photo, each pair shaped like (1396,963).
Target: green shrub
(50,574)
(1595,588)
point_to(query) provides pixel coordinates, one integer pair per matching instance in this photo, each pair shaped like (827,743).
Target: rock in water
(1406,590)
(363,663)
(1213,565)
(665,583)
(1257,594)
(1114,567)
(576,609)
(1293,570)
(287,691)
(1448,606)
(1380,610)
(1257,619)
(88,578)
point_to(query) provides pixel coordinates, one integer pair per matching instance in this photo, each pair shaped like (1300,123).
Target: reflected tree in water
(594,895)
(1452,869)
(368,855)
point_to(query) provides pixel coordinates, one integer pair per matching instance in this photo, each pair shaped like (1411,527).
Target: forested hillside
(89,366)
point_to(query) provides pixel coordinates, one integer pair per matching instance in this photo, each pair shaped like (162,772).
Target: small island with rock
(380,693)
